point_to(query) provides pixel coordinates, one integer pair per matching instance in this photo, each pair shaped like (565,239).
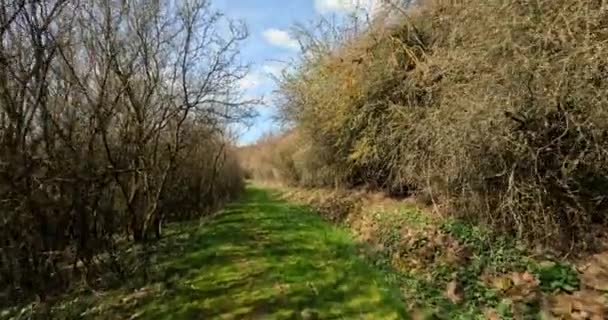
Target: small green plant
(557,277)
(505,309)
(473,236)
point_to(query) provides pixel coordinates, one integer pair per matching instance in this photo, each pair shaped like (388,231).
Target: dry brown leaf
(580,305)
(502,283)
(595,274)
(528,277)
(453,292)
(523,279)
(491,314)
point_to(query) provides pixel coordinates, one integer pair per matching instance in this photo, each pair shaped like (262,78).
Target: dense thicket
(112,118)
(497,109)
(265,160)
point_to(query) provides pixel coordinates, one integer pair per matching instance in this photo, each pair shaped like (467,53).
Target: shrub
(497,109)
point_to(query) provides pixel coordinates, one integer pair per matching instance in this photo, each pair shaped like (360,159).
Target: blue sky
(269,22)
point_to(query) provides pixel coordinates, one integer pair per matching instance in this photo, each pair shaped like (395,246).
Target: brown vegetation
(495,109)
(112,117)
(259,161)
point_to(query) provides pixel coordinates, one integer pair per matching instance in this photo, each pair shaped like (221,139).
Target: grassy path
(261,258)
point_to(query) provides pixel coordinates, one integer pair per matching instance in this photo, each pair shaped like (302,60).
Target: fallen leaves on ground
(595,272)
(517,286)
(585,304)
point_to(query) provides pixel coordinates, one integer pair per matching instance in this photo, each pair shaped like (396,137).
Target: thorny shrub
(495,109)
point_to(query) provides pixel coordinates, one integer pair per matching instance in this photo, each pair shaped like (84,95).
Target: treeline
(267,158)
(494,109)
(113,120)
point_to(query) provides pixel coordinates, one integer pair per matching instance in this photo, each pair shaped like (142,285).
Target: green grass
(264,258)
(261,258)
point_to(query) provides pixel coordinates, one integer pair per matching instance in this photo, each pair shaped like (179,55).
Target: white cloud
(250,81)
(281,38)
(273,68)
(327,6)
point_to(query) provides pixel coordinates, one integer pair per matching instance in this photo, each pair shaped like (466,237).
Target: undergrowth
(447,268)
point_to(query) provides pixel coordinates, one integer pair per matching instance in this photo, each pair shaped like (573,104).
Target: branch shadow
(262,258)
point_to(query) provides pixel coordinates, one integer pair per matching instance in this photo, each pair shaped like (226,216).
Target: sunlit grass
(260,259)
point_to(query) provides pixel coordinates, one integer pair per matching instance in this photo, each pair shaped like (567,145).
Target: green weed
(557,277)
